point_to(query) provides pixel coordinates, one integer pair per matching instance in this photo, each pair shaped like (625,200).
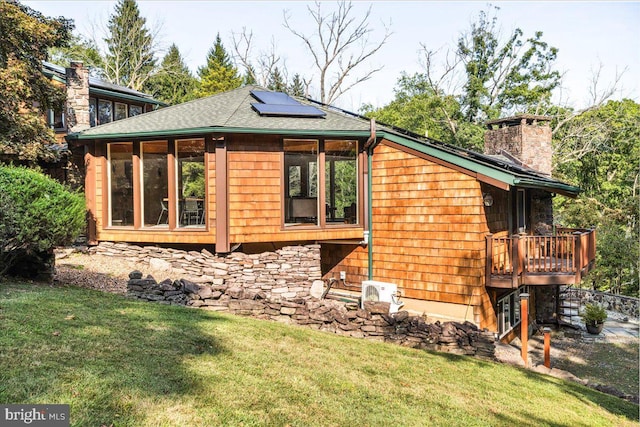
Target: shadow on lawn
(107,356)
(613,405)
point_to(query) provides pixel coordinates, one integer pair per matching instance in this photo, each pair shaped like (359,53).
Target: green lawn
(127,363)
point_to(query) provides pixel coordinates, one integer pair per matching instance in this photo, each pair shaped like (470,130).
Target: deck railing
(569,251)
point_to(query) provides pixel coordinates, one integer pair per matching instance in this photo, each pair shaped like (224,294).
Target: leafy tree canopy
(82,49)
(485,77)
(25,92)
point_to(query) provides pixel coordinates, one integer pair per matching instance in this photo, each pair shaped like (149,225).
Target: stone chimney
(525,137)
(77,109)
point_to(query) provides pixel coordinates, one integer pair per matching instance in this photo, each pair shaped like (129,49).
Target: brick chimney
(77,108)
(525,137)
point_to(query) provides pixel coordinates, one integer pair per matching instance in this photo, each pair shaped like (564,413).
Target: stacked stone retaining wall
(343,318)
(290,272)
(628,306)
(285,286)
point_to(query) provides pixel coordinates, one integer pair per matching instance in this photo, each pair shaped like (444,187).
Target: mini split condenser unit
(381,291)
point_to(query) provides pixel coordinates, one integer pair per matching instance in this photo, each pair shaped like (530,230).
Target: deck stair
(568,306)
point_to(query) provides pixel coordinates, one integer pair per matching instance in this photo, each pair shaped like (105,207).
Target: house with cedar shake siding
(460,233)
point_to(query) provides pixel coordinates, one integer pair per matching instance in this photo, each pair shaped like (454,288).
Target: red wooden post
(489,259)
(547,347)
(578,256)
(515,261)
(524,326)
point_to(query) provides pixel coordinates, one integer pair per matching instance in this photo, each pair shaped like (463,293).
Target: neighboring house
(461,233)
(104,102)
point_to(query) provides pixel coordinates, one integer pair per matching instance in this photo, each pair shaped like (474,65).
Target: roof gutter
(208,130)
(115,94)
(560,188)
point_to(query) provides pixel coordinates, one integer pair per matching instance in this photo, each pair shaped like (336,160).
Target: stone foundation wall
(629,306)
(328,315)
(287,273)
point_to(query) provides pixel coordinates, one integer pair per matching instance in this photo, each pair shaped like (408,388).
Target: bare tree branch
(339,44)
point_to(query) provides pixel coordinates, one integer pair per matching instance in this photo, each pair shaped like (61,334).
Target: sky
(588,35)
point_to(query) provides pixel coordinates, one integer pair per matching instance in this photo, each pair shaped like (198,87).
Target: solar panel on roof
(276,98)
(298,110)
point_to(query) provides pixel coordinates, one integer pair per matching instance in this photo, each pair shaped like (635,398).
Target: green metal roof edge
(211,129)
(114,94)
(500,175)
(560,187)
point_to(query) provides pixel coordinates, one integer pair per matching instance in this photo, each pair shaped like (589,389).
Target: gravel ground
(79,268)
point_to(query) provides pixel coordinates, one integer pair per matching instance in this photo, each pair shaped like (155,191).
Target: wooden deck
(540,260)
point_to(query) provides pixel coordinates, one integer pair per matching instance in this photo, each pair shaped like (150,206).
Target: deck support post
(547,346)
(524,326)
(489,259)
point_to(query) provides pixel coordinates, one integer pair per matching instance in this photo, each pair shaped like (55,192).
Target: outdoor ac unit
(380,291)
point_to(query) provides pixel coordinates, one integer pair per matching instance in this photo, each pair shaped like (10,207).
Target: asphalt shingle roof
(232,112)
(224,110)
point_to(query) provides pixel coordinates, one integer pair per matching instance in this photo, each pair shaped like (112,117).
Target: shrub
(593,314)
(36,214)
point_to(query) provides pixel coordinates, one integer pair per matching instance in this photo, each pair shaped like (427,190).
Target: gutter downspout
(369,146)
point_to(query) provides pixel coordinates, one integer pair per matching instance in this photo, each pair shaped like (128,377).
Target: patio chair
(191,213)
(162,212)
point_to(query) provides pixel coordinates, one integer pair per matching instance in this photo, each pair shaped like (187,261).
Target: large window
(120,184)
(301,181)
(120,111)
(191,183)
(341,181)
(92,112)
(155,188)
(302,185)
(105,111)
(521,211)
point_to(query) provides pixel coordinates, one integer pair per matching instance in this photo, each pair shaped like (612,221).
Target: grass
(613,364)
(128,363)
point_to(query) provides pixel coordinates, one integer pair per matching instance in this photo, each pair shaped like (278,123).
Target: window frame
(321,188)
(137,157)
(115,110)
(109,222)
(176,177)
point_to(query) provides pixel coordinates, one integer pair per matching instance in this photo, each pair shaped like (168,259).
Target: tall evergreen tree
(129,60)
(219,75)
(249,77)
(25,92)
(297,87)
(173,83)
(277,81)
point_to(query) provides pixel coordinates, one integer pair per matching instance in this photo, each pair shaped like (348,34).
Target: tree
(277,81)
(130,55)
(258,69)
(484,77)
(504,77)
(82,49)
(338,45)
(25,92)
(298,86)
(173,83)
(599,150)
(219,74)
